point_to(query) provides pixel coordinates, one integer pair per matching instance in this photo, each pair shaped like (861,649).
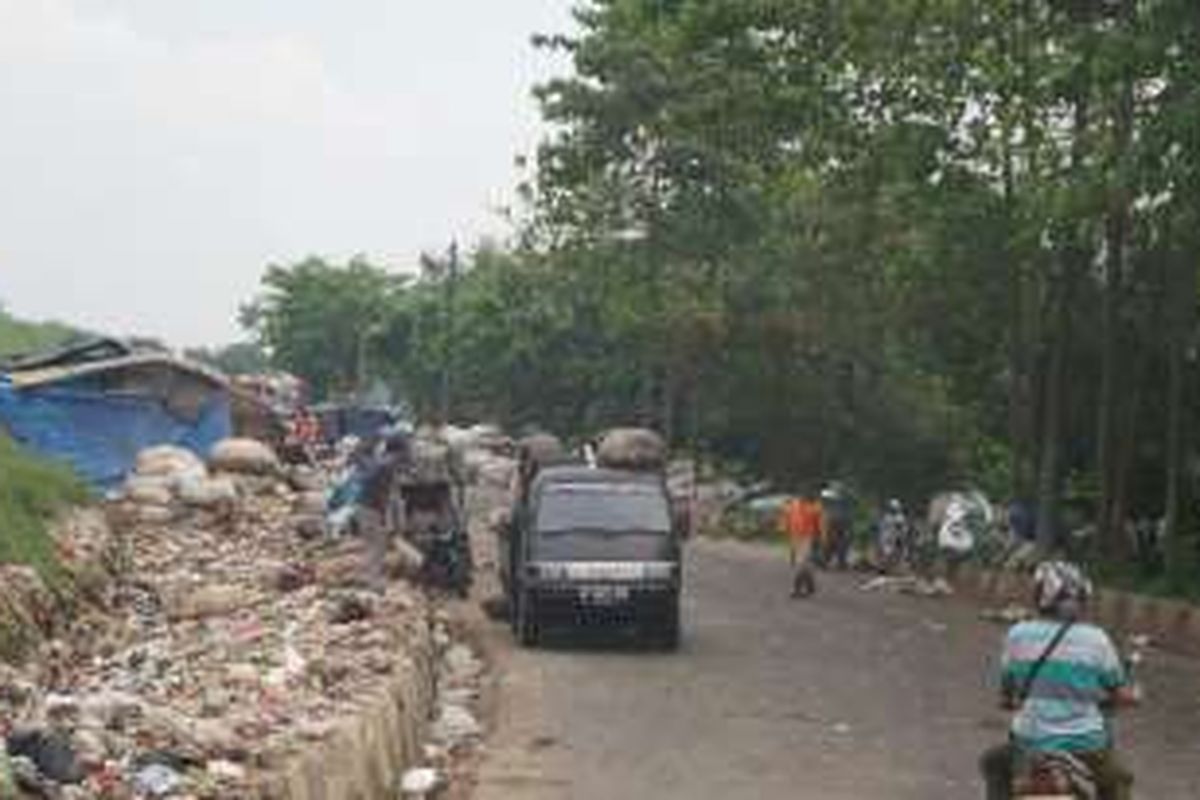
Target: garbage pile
(234,636)
(31,609)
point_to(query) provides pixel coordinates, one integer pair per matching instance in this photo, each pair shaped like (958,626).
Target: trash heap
(235,635)
(455,732)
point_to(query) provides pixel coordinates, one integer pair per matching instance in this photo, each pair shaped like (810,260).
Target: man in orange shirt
(801,523)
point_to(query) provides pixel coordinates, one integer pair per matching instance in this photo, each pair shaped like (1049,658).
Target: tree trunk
(1107,400)
(668,401)
(1049,468)
(1181,320)
(1109,468)
(1124,448)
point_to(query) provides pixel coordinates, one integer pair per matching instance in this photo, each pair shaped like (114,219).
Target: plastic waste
(8,784)
(156,780)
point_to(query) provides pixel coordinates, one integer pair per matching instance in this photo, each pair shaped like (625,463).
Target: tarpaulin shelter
(96,405)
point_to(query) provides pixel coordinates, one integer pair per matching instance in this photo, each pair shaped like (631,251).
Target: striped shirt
(1063,708)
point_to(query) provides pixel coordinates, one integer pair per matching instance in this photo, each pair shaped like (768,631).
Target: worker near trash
(800,521)
(302,439)
(379,464)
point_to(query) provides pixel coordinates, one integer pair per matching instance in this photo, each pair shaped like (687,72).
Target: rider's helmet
(895,506)
(1060,588)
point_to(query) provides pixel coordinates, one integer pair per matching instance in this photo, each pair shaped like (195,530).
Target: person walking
(801,524)
(379,464)
(835,515)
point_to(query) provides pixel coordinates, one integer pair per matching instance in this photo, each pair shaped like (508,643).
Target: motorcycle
(433,522)
(447,561)
(1053,776)
(1062,775)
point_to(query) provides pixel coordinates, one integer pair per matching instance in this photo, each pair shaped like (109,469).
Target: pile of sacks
(229,641)
(168,482)
(632,448)
(486,454)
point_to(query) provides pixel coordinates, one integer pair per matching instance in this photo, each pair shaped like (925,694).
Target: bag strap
(1027,684)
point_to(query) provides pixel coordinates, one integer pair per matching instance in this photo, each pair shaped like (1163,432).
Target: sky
(157,155)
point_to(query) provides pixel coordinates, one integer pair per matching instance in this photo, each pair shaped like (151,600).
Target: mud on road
(850,696)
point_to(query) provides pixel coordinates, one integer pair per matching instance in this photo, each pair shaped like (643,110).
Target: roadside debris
(417,784)
(455,732)
(908,584)
(459,673)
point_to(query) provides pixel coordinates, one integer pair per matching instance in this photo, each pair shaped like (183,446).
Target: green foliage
(322,321)
(911,244)
(32,492)
(18,337)
(239,358)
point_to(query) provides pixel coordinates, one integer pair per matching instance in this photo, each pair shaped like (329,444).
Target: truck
(593,546)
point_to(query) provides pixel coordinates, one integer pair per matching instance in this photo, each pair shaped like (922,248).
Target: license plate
(604,595)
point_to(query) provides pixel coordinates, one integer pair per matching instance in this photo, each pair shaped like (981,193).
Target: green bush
(32,491)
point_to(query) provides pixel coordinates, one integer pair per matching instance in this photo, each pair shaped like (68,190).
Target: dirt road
(850,696)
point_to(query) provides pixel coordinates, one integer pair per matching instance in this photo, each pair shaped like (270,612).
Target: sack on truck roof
(542,449)
(632,448)
(431,461)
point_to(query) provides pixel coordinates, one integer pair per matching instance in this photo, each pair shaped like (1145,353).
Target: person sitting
(1059,674)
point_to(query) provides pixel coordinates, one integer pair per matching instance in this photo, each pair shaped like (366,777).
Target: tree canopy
(909,243)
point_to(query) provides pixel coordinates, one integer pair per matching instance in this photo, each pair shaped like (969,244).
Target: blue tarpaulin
(100,432)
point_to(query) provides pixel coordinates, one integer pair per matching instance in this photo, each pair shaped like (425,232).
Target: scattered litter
(455,725)
(417,783)
(156,780)
(224,770)
(50,752)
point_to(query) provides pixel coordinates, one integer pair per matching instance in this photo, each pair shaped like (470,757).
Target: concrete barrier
(1173,625)
(364,759)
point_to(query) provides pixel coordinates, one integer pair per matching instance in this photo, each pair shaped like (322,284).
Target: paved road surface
(851,696)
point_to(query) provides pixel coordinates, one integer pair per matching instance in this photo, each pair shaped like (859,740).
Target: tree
(323,321)
(239,358)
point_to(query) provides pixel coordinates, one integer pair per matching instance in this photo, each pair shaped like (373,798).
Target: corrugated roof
(24,378)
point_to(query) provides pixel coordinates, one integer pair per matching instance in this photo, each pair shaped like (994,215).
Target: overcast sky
(155,155)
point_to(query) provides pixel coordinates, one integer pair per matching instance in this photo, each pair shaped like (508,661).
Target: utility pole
(448,329)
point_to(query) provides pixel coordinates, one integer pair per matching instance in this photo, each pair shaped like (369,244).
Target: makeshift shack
(97,404)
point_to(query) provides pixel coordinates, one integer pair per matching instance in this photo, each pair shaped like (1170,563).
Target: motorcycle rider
(1059,674)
